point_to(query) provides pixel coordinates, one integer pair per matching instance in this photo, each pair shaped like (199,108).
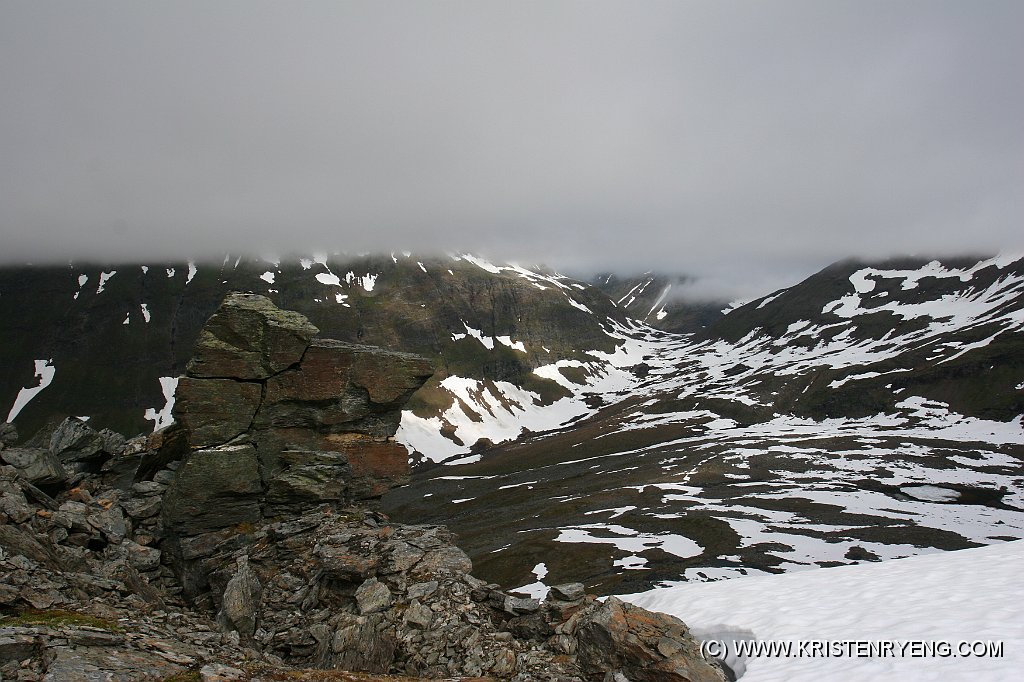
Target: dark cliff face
(110,337)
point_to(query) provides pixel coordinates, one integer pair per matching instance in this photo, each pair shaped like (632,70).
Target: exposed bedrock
(277,420)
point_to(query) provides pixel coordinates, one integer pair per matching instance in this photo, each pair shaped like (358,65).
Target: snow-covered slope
(871,412)
(941,600)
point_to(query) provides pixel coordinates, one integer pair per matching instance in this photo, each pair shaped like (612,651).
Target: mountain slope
(108,334)
(868,412)
(658,300)
(871,411)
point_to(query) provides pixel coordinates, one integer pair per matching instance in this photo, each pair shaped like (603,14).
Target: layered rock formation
(277,420)
(244,543)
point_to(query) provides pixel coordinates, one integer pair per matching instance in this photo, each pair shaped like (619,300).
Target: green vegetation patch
(57,618)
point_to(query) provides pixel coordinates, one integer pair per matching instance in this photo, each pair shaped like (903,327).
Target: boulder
(213,411)
(75,441)
(447,559)
(167,445)
(214,489)
(568,592)
(113,442)
(373,596)
(241,601)
(36,466)
(16,541)
(110,522)
(365,644)
(619,638)
(250,338)
(418,615)
(141,558)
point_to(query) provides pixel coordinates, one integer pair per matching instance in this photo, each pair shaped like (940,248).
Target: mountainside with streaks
(871,411)
(659,301)
(107,342)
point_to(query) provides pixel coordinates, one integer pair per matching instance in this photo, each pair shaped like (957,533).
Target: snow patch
(930,493)
(163,417)
(629,540)
(905,599)
(45,372)
(536,589)
(481,263)
(328,278)
(104,278)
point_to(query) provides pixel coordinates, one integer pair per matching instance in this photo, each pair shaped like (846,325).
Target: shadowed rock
(214,489)
(214,411)
(75,441)
(8,434)
(36,466)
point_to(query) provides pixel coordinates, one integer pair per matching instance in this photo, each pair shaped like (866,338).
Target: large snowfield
(968,596)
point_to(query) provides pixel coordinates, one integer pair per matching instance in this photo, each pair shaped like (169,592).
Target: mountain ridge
(871,411)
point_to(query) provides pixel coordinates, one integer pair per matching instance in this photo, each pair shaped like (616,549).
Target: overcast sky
(750,143)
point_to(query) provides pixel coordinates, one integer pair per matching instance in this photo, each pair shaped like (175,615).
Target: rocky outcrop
(278,421)
(89,577)
(215,411)
(641,645)
(344,588)
(213,489)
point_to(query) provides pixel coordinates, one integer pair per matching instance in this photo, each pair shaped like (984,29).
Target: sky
(746,143)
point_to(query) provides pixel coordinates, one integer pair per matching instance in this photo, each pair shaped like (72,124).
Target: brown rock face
(343,387)
(250,338)
(376,466)
(389,378)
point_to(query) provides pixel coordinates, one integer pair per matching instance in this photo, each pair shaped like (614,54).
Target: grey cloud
(747,143)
